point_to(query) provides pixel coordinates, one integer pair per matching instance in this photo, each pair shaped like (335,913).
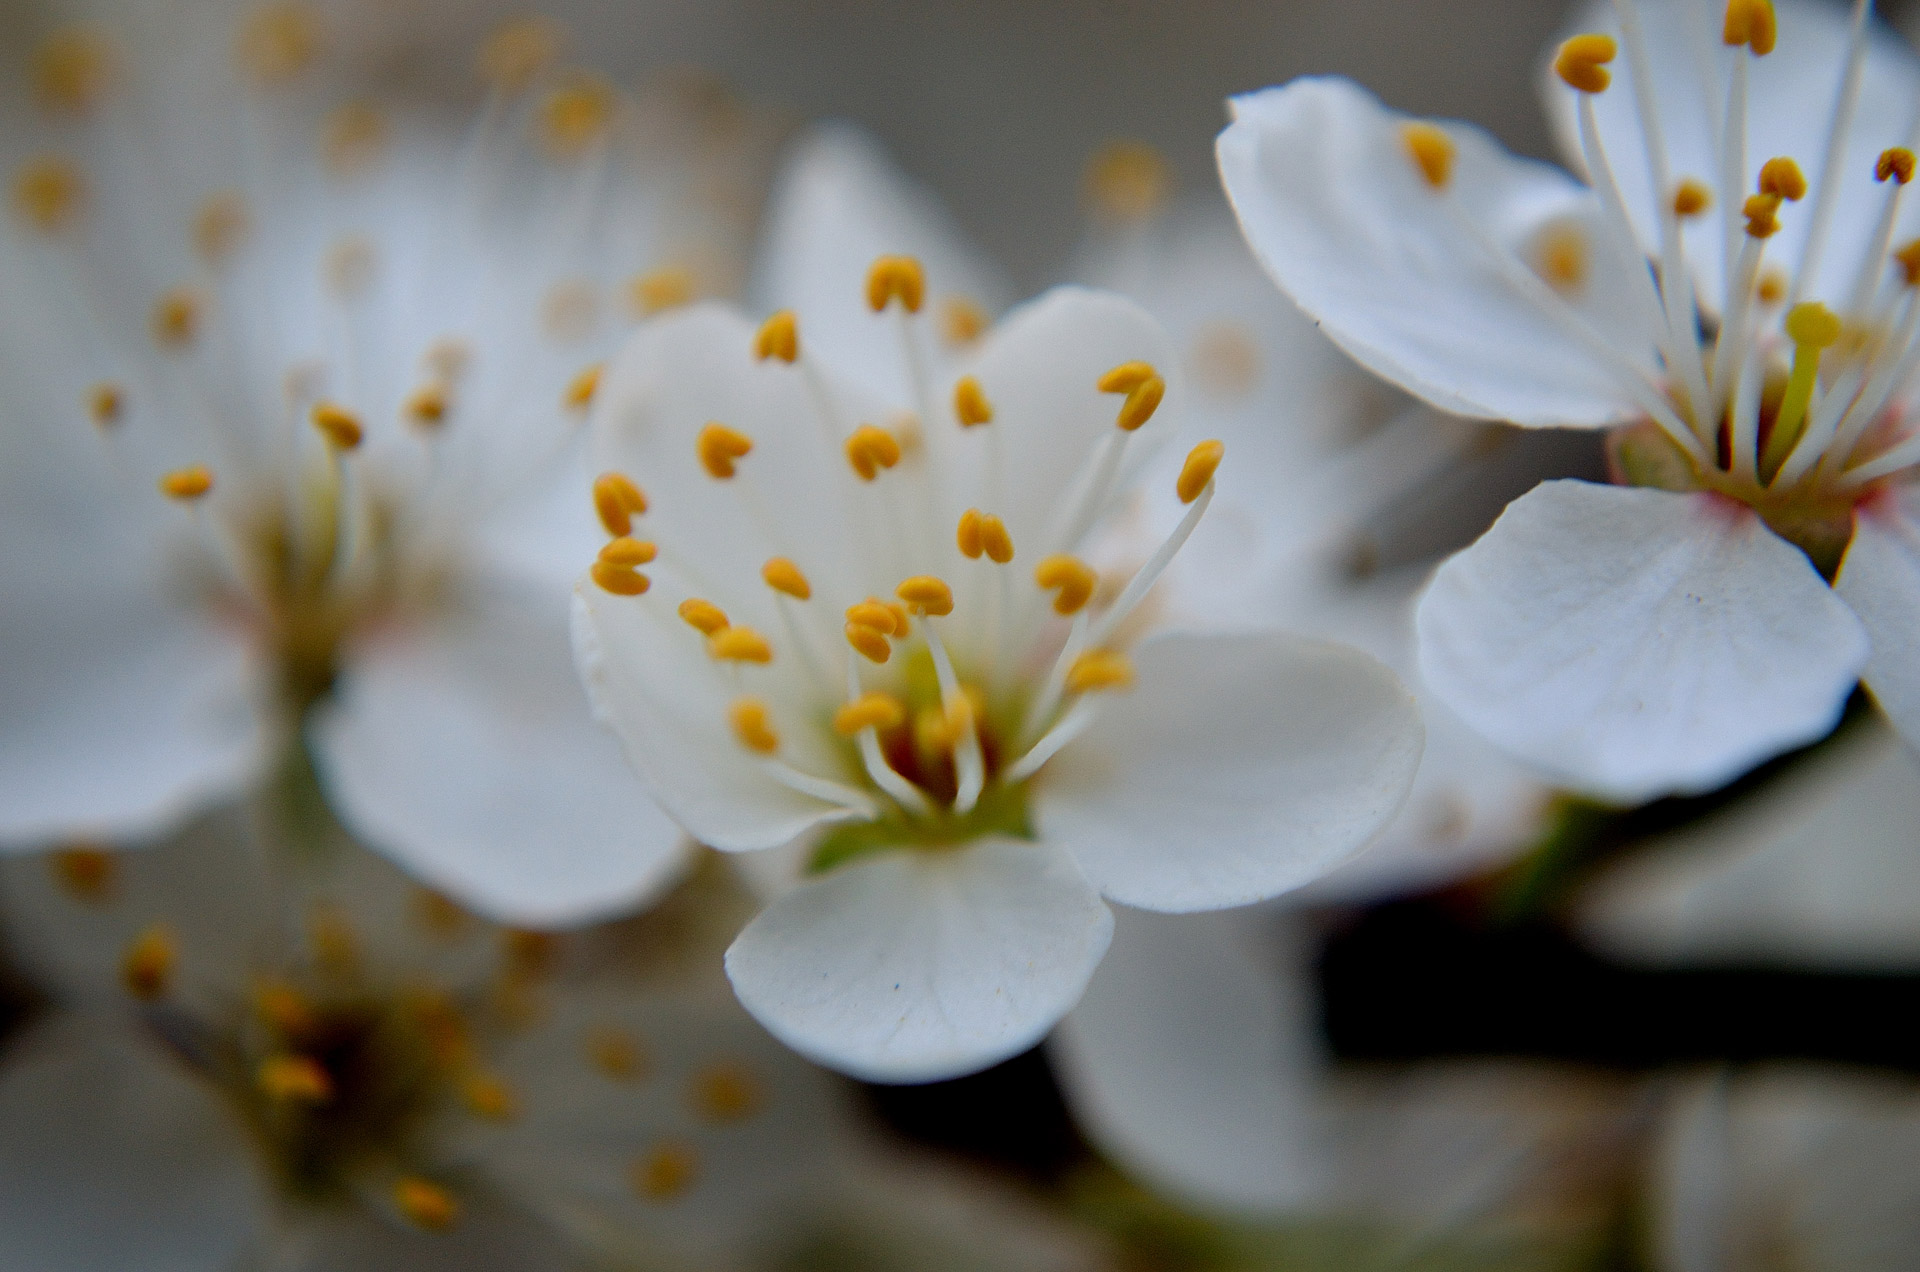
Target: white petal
(913,966)
(1880,580)
(111,1157)
(492,1234)
(1335,209)
(1237,768)
(1191,1059)
(1634,642)
(466,749)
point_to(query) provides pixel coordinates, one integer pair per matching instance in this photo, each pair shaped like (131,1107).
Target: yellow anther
(294,1080)
(278,42)
(1141,404)
(778,337)
(629,552)
(1908,259)
(1099,669)
(1126,377)
(874,614)
(580,389)
(967,536)
(576,114)
(106,404)
(516,53)
(1812,324)
(146,968)
(187,484)
(621,580)
(1812,327)
(869,711)
(284,1009)
(962,321)
(1781,176)
(1202,462)
(783,575)
(426,407)
(48,194)
(870,449)
(1771,288)
(425,1203)
(1563,256)
(1074,579)
(1752,23)
(980,533)
(703,616)
(970,403)
(337,424)
(1127,181)
(896,277)
(176,318)
(73,70)
(748,716)
(1763,215)
(659,290)
(718,447)
(666,1172)
(925,594)
(220,226)
(617,1054)
(739,644)
(1431,151)
(354,139)
(1895,164)
(618,501)
(84,873)
(490,1098)
(1691,197)
(869,641)
(1582,62)
(725,1092)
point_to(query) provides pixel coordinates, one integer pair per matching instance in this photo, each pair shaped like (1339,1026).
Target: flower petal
(917,965)
(1635,642)
(1239,767)
(1335,208)
(1880,580)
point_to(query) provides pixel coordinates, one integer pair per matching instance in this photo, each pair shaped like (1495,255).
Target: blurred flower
(860,618)
(351,346)
(1666,633)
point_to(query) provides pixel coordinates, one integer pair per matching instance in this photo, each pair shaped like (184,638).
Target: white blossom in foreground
(347,346)
(1726,293)
(865,625)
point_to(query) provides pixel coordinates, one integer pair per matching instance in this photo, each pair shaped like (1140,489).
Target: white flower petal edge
(921,965)
(1240,767)
(1423,286)
(1637,642)
(1880,579)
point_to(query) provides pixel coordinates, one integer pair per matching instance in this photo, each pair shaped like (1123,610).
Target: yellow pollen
(1126,377)
(1772,287)
(869,449)
(426,407)
(490,1098)
(278,42)
(1908,259)
(354,139)
(1582,61)
(220,226)
(1762,213)
(1141,403)
(575,115)
(1562,257)
(739,644)
(1691,197)
(869,641)
(284,1009)
(704,616)
(874,710)
(925,594)
(725,1092)
(874,614)
(516,53)
(748,716)
(1781,176)
(778,337)
(666,1172)
(146,968)
(896,277)
(616,1054)
(1202,462)
(106,404)
(718,447)
(629,552)
(659,290)
(621,580)
(1074,579)
(425,1203)
(1099,669)
(1431,151)
(338,425)
(187,484)
(294,1080)
(1752,23)
(73,71)
(970,404)
(85,874)
(981,532)
(618,501)
(48,194)
(176,318)
(962,321)
(1127,181)
(1895,164)
(783,575)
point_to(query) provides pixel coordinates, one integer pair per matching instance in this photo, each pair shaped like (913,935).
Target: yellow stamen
(146,968)
(1752,23)
(294,1080)
(981,532)
(1563,257)
(84,873)
(739,644)
(666,1172)
(176,318)
(874,710)
(621,580)
(338,425)
(425,1203)
(783,575)
(426,407)
(718,447)
(580,390)
(187,484)
(49,194)
(1127,181)
(925,594)
(1782,177)
(575,115)
(1908,259)
(896,277)
(778,337)
(106,404)
(1074,578)
(725,1092)
(748,716)
(869,641)
(629,552)
(1691,197)
(617,1054)
(1126,377)
(1762,213)
(1202,461)
(73,71)
(354,140)
(618,501)
(874,614)
(1895,164)
(659,290)
(518,52)
(1099,669)
(490,1098)
(1812,327)
(970,404)
(1141,403)
(1582,61)
(277,43)
(284,1009)
(962,321)
(870,449)
(703,616)
(1771,288)
(1431,151)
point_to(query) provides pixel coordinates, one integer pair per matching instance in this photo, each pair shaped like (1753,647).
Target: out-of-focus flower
(290,1066)
(352,347)
(858,615)
(1665,633)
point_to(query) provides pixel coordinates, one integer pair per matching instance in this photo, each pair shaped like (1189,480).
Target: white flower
(858,614)
(353,351)
(292,1066)
(1667,633)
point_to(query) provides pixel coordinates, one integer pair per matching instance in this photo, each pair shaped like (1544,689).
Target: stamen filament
(969,762)
(904,792)
(1149,574)
(1833,161)
(1070,726)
